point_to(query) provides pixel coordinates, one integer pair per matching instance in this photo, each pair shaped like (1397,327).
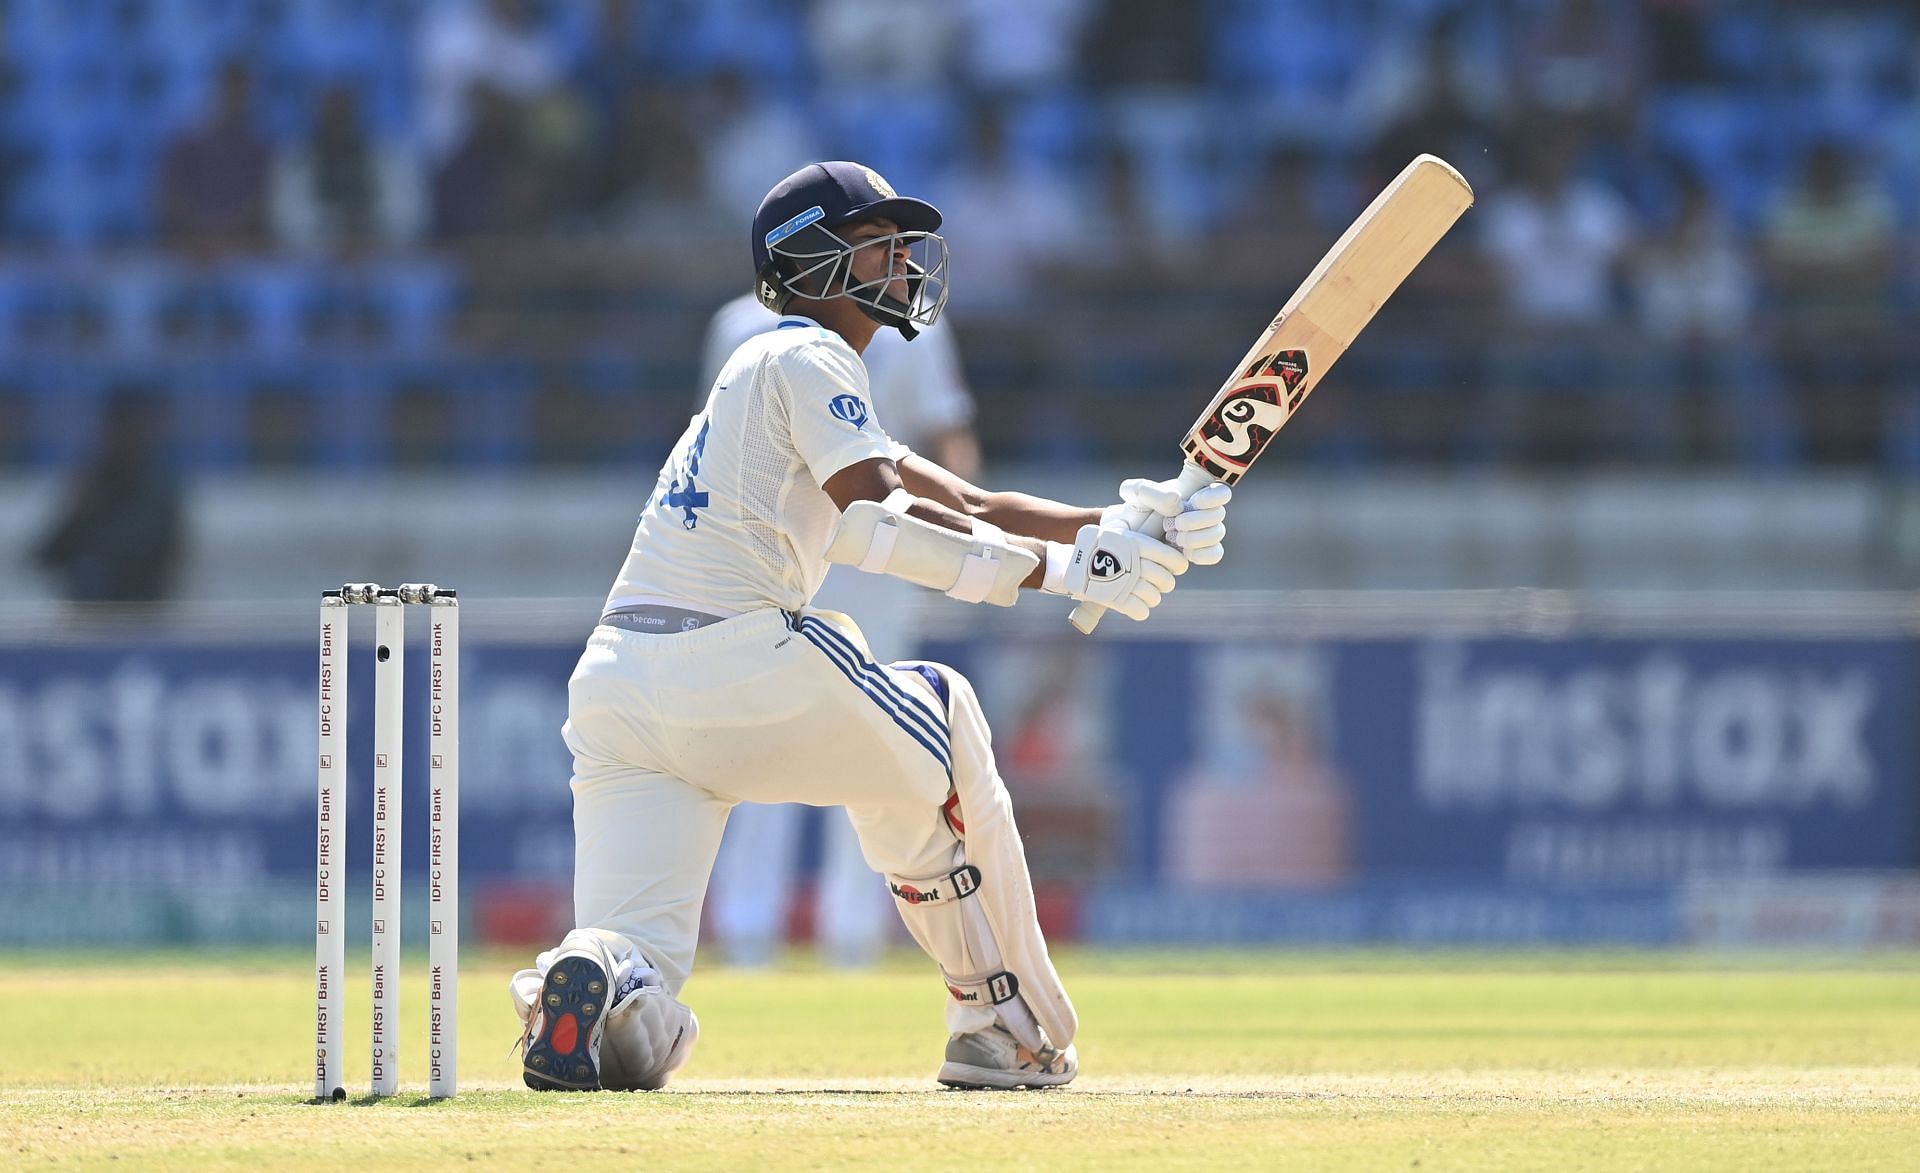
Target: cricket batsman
(711,681)
(917,387)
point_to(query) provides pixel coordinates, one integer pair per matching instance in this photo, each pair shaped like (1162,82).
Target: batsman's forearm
(1036,517)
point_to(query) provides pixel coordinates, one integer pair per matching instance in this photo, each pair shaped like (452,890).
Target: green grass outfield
(1197,1061)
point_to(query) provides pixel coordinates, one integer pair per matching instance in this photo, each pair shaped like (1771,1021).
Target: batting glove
(1197,526)
(1115,567)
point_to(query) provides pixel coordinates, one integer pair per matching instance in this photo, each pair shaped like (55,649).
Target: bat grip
(1192,479)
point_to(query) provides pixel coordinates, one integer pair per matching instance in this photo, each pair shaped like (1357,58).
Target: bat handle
(1192,479)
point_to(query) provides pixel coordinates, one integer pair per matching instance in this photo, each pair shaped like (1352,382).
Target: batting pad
(977,920)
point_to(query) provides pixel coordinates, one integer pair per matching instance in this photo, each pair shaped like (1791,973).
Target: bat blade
(1322,318)
(1310,333)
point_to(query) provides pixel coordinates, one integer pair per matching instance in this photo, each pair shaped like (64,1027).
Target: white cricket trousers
(761,849)
(668,732)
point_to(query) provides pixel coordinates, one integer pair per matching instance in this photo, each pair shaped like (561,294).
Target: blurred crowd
(374,232)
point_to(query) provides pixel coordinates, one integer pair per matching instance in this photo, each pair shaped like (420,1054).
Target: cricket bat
(1312,331)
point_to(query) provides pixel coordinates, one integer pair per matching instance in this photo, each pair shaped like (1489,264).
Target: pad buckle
(958,884)
(1001,987)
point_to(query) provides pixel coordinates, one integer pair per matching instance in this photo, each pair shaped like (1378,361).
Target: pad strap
(978,574)
(992,990)
(881,552)
(884,537)
(958,884)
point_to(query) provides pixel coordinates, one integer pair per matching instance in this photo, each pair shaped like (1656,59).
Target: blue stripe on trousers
(908,703)
(875,694)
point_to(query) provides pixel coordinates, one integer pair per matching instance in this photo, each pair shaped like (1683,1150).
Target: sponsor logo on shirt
(848,408)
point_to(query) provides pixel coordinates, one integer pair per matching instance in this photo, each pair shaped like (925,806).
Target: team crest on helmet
(880,184)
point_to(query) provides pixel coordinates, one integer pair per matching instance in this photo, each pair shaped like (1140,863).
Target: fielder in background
(712,681)
(916,387)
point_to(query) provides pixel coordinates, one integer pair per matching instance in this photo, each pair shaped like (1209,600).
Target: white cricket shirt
(738,520)
(916,385)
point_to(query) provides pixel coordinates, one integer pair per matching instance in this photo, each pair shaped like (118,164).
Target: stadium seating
(89,290)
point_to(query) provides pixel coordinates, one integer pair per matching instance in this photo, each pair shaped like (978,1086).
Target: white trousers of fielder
(668,732)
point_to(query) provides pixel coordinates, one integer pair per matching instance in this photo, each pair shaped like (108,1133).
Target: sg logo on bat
(1248,416)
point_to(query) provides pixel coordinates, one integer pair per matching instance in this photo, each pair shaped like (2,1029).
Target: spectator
(559,144)
(470,45)
(213,181)
(882,41)
(1019,48)
(341,192)
(1696,290)
(118,538)
(1557,245)
(1680,41)
(1445,93)
(13,156)
(1558,239)
(1133,246)
(1832,255)
(652,186)
(1008,226)
(1147,62)
(1830,243)
(1580,61)
(1144,45)
(1273,236)
(618,61)
(751,142)
(650,154)
(485,187)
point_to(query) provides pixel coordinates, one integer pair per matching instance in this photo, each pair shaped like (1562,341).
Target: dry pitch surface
(1215,1061)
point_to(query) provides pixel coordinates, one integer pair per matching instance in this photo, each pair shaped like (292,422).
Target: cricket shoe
(563,1035)
(994,1059)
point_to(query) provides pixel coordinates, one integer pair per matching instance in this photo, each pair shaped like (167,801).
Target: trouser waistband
(657,619)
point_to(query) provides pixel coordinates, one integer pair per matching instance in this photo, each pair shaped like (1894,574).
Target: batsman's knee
(937,677)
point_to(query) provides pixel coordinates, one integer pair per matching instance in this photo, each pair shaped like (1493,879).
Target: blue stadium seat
(196,35)
(1849,48)
(1734,142)
(909,136)
(1292,49)
(415,299)
(19,282)
(389,97)
(67,395)
(132,301)
(38,29)
(53,205)
(272,297)
(1744,43)
(1052,130)
(332,37)
(754,35)
(490,400)
(352,418)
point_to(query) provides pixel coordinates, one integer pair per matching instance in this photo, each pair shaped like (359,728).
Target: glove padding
(1197,526)
(1116,567)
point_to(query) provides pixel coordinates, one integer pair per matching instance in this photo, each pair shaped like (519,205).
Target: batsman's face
(875,261)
